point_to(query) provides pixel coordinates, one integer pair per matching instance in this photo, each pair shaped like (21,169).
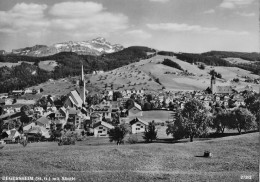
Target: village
(95,115)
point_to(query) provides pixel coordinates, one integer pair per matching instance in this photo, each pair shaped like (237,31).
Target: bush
(201,66)
(236,80)
(132,139)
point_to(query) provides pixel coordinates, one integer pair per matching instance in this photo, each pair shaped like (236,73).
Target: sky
(173,25)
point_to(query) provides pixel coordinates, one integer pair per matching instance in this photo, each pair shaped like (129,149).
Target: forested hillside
(69,64)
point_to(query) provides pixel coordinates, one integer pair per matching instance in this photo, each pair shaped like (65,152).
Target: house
(29,126)
(135,110)
(44,122)
(38,110)
(76,117)
(61,114)
(17,92)
(138,125)
(34,132)
(13,134)
(28,91)
(122,101)
(9,101)
(95,117)
(101,129)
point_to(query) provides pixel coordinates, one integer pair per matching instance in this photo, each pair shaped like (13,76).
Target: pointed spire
(82,73)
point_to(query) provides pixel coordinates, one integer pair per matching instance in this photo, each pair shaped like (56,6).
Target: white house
(101,129)
(29,126)
(138,125)
(136,110)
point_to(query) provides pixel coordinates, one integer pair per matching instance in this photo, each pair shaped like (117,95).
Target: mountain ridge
(95,47)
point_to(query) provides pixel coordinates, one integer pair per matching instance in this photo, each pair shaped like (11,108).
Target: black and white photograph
(129,90)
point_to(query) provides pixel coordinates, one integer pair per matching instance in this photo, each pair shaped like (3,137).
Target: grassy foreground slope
(233,157)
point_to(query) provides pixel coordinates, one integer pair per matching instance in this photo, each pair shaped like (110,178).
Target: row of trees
(195,121)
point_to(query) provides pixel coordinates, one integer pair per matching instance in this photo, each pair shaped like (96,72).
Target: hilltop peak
(99,39)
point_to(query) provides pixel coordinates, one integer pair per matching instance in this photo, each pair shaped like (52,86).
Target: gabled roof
(137,106)
(76,98)
(138,120)
(107,125)
(13,133)
(43,120)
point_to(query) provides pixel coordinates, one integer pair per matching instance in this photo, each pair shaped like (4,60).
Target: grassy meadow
(98,160)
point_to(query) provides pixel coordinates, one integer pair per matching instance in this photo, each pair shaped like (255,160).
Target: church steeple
(82,73)
(213,84)
(82,86)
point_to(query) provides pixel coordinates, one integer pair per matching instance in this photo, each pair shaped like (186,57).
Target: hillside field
(232,157)
(142,75)
(48,65)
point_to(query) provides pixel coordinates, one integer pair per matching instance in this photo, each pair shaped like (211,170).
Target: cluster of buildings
(98,119)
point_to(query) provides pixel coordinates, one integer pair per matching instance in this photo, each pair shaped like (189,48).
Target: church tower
(82,86)
(213,84)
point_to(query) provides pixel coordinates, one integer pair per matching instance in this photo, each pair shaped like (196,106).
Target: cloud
(159,1)
(246,14)
(86,17)
(231,4)
(23,17)
(210,11)
(138,34)
(76,9)
(175,27)
(79,20)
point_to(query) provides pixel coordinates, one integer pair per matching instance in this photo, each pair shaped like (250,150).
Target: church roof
(75,98)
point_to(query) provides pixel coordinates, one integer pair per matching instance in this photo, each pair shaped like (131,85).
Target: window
(142,126)
(99,131)
(100,127)
(104,129)
(137,128)
(137,124)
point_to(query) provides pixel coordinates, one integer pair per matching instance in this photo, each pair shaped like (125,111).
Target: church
(77,98)
(215,89)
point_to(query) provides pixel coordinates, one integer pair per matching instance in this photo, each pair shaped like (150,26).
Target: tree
(1,125)
(14,101)
(25,119)
(195,119)
(129,104)
(117,95)
(150,133)
(25,109)
(253,104)
(1,111)
(242,118)
(201,66)
(118,133)
(147,106)
(221,121)
(149,97)
(42,102)
(176,129)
